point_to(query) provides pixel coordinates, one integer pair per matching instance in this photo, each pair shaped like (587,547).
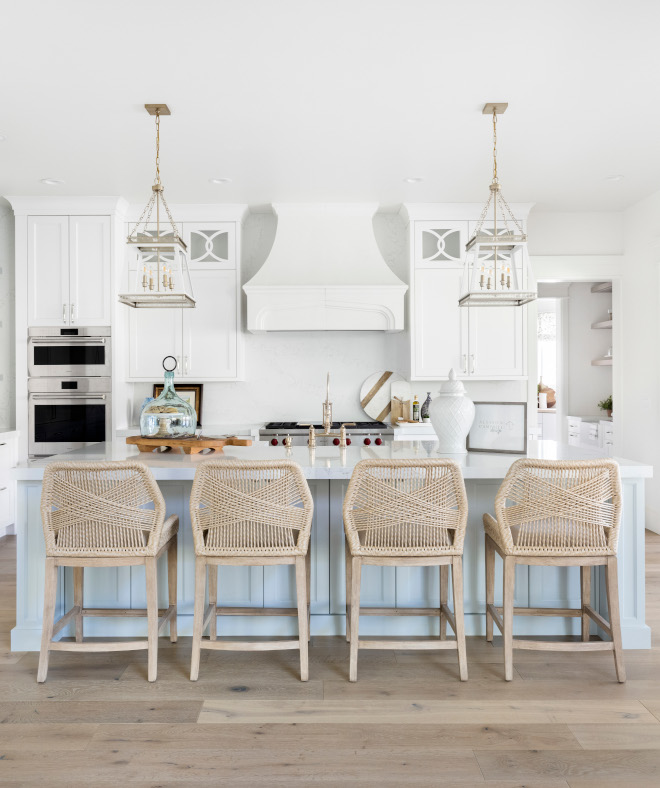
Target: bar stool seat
(105,514)
(556,513)
(406,513)
(249,514)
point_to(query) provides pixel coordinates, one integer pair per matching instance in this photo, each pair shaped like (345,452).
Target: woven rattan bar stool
(105,514)
(406,513)
(249,514)
(559,514)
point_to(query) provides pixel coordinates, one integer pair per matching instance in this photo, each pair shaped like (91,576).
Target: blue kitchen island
(328,470)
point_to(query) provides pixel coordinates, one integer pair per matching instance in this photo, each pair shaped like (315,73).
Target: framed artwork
(190,393)
(499,427)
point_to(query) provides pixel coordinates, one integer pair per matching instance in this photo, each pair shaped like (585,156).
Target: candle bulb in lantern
(165,277)
(151,279)
(508,277)
(145,282)
(481,278)
(171,281)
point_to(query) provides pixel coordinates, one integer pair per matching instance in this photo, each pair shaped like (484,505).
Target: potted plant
(606,404)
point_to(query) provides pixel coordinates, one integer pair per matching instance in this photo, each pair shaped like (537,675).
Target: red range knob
(348,441)
(378,441)
(336,441)
(274,442)
(367,441)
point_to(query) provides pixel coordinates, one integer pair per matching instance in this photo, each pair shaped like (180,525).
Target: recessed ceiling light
(219,180)
(51,181)
(413,180)
(614,178)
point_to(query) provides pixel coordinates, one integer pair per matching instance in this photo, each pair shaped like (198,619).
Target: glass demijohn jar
(168,416)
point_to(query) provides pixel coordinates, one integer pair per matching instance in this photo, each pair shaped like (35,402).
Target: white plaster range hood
(325,273)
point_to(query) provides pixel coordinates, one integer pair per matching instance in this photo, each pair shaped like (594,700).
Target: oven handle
(68,395)
(66,340)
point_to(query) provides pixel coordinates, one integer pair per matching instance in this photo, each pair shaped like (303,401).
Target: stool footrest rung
(250,645)
(408,645)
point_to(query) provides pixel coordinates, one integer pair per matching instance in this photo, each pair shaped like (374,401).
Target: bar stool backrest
(550,505)
(98,509)
(411,507)
(251,508)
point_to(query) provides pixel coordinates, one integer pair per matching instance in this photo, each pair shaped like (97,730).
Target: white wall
(586,385)
(575,233)
(286,371)
(7,365)
(637,419)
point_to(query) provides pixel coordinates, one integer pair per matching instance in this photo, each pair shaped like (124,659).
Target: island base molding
(274,586)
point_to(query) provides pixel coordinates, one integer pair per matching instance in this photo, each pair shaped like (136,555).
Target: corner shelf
(602,324)
(602,287)
(602,362)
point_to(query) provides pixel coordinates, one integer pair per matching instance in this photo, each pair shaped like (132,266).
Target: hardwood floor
(248,721)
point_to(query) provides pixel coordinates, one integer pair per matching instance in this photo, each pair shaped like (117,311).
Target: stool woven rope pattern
(248,509)
(97,509)
(405,507)
(559,508)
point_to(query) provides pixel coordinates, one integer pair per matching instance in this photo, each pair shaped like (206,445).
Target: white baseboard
(8,530)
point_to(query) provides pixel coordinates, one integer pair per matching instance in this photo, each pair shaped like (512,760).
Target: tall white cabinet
(206,341)
(69,271)
(480,343)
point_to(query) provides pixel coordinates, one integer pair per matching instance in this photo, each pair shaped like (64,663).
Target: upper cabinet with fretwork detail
(439,244)
(211,245)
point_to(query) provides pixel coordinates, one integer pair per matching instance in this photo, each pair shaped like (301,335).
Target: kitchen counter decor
(168,416)
(195,444)
(452,414)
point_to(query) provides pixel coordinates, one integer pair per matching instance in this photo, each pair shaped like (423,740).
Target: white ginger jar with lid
(452,414)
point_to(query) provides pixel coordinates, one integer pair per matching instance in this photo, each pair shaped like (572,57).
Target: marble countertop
(325,462)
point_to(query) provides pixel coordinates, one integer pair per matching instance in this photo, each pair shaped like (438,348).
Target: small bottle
(415,415)
(425,407)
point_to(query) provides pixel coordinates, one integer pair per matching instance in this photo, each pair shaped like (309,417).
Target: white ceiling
(338,100)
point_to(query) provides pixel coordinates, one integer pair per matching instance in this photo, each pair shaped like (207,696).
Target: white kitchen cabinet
(211,245)
(210,331)
(206,340)
(69,271)
(7,485)
(440,337)
(152,335)
(481,343)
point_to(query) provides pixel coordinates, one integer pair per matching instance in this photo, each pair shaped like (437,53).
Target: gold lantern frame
(496,264)
(161,276)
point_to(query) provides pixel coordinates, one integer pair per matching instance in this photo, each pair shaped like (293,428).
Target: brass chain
(494,145)
(157,146)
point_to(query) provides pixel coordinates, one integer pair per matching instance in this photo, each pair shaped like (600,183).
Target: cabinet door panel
(440,244)
(89,254)
(439,331)
(497,341)
(153,334)
(48,270)
(211,245)
(209,330)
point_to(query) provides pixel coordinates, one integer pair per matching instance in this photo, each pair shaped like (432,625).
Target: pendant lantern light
(158,257)
(496,265)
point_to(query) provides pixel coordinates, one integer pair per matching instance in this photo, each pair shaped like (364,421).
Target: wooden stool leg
(444,597)
(198,621)
(303,634)
(349,564)
(356,577)
(585,584)
(308,575)
(457,588)
(150,568)
(172,552)
(507,616)
(213,601)
(78,580)
(50,593)
(490,586)
(612,587)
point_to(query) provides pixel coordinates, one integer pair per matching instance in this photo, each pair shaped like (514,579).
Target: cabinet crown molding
(63,205)
(430,211)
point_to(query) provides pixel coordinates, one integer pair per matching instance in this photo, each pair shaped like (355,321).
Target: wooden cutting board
(188,445)
(375,394)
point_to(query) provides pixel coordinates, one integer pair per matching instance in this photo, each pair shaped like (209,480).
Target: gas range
(362,433)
